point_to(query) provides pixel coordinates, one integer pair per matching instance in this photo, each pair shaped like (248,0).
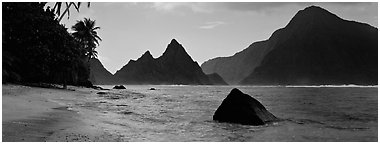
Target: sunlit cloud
(211,25)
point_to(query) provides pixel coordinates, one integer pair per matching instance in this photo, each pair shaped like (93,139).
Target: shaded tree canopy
(36,48)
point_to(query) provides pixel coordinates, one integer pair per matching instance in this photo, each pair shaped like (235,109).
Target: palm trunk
(64,84)
(64,76)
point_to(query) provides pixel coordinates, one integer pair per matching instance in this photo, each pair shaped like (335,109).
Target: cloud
(211,25)
(199,7)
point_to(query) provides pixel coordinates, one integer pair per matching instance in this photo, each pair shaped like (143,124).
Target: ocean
(184,113)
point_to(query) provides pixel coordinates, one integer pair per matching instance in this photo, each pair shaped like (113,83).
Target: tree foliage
(85,33)
(58,5)
(36,48)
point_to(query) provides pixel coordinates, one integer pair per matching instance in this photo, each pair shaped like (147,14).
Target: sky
(205,30)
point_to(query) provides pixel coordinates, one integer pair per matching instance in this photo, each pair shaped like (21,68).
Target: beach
(43,114)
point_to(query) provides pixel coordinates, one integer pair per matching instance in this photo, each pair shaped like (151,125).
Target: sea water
(184,113)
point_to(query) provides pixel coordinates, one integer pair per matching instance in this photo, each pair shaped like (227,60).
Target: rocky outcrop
(175,66)
(216,79)
(119,87)
(241,108)
(317,48)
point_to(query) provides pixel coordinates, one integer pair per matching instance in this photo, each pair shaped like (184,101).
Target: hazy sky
(206,30)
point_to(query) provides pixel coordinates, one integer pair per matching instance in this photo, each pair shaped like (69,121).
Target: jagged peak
(174,41)
(174,47)
(146,55)
(174,44)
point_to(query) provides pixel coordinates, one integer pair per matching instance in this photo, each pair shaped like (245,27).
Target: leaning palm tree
(85,33)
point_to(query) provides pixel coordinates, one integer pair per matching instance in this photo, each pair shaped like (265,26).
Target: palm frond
(97,37)
(77,6)
(95,28)
(68,12)
(58,6)
(96,41)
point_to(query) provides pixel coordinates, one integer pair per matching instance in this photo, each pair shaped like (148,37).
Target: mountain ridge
(318,47)
(174,66)
(99,74)
(306,29)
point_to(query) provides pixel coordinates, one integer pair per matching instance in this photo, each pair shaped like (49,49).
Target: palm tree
(85,32)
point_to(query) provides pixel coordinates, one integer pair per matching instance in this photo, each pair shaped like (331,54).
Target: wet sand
(41,114)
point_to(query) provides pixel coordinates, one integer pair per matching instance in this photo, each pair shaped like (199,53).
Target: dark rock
(121,105)
(101,93)
(99,88)
(241,108)
(126,112)
(216,79)
(119,87)
(175,66)
(152,89)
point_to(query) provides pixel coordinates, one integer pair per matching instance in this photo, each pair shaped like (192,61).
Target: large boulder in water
(241,108)
(119,87)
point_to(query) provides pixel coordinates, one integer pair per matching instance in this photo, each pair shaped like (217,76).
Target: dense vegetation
(38,49)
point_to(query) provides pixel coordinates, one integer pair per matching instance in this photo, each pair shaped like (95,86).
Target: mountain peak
(313,7)
(174,48)
(313,15)
(175,52)
(174,66)
(315,10)
(174,41)
(146,55)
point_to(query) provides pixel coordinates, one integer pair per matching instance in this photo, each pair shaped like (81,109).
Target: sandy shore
(42,114)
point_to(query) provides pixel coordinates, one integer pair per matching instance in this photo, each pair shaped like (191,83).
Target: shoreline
(138,114)
(34,114)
